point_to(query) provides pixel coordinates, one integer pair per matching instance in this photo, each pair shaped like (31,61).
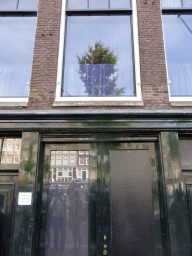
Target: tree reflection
(97,69)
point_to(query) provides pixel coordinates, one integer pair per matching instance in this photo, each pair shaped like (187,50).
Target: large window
(177,27)
(17,26)
(99,56)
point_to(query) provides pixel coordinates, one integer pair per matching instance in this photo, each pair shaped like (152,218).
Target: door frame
(94,140)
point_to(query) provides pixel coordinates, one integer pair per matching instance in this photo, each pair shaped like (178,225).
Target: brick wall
(152,56)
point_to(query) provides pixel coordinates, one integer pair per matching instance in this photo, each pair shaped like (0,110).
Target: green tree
(97,71)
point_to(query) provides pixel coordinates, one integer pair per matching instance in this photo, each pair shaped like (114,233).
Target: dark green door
(109,207)
(130,215)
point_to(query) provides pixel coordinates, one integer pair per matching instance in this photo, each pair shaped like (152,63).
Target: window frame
(99,101)
(175,100)
(17,101)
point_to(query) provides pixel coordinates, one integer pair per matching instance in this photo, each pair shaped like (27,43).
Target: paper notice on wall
(24,198)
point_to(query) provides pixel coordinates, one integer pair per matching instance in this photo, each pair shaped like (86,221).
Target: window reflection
(171,3)
(67,217)
(187,3)
(11,151)
(176,3)
(27,5)
(109,69)
(98,4)
(178,44)
(8,4)
(18,4)
(16,51)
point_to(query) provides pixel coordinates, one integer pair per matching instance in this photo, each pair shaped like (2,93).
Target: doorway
(100,199)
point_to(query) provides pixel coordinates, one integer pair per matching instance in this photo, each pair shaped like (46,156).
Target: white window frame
(175,100)
(99,101)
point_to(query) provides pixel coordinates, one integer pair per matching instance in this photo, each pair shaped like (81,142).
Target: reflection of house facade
(98,139)
(11,151)
(69,165)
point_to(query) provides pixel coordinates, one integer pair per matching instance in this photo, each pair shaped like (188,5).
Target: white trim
(180,101)
(13,102)
(61,51)
(99,101)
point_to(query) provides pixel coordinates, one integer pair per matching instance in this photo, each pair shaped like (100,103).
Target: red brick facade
(152,57)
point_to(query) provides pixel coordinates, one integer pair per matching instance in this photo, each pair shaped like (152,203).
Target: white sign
(24,198)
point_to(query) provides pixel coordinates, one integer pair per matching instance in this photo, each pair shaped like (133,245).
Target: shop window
(177,28)
(100,67)
(17,26)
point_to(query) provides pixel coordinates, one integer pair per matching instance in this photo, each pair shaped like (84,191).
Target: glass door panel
(7,189)
(66,185)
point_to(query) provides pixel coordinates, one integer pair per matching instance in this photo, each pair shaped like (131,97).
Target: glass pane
(16,51)
(179,228)
(67,216)
(80,4)
(171,3)
(108,71)
(120,4)
(187,3)
(131,195)
(178,44)
(185,148)
(98,4)
(29,4)
(6,206)
(11,151)
(8,4)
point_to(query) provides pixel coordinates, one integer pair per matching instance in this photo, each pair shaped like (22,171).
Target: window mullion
(17,5)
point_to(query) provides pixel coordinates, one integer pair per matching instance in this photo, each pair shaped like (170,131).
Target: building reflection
(10,151)
(67,215)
